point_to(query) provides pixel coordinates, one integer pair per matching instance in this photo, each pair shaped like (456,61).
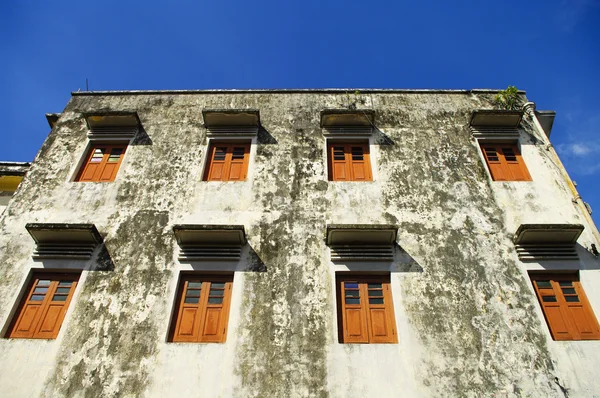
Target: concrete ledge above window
(76,241)
(536,242)
(488,124)
(347,122)
(231,122)
(210,242)
(113,125)
(360,242)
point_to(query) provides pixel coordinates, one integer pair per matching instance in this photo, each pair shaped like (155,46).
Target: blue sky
(550,48)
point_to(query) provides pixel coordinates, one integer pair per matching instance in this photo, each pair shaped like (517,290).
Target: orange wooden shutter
(190,311)
(338,163)
(114,156)
(381,313)
(358,159)
(203,311)
(354,314)
(227,162)
(514,164)
(214,323)
(42,312)
(102,163)
(565,306)
(494,162)
(238,165)
(93,165)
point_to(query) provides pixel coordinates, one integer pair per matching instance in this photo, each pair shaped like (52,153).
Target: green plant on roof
(508,99)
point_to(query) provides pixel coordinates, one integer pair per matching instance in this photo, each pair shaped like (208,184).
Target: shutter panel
(565,306)
(216,169)
(358,158)
(189,314)
(338,163)
(381,323)
(215,316)
(495,163)
(556,317)
(584,319)
(42,312)
(355,329)
(31,309)
(516,169)
(111,165)
(94,164)
(239,162)
(53,314)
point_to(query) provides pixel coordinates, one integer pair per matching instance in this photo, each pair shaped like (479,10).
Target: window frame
(24,301)
(227,162)
(502,169)
(348,160)
(365,310)
(202,307)
(86,162)
(571,327)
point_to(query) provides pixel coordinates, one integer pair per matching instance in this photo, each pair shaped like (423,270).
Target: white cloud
(580,146)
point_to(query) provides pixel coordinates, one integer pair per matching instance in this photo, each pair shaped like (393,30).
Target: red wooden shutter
(354,314)
(349,162)
(41,313)
(381,322)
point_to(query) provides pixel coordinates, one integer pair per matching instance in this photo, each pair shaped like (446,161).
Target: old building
(11,175)
(294,243)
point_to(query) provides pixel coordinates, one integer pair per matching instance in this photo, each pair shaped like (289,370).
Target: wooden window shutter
(349,162)
(354,313)
(203,310)
(102,163)
(367,314)
(227,162)
(514,164)
(565,306)
(41,313)
(505,162)
(239,162)
(380,314)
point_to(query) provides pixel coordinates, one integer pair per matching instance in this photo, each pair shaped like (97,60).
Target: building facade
(294,243)
(11,175)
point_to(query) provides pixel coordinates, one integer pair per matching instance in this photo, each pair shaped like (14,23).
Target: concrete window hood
(347,122)
(72,241)
(360,242)
(536,242)
(231,122)
(202,242)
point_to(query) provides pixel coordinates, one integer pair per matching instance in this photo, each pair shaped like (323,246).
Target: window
(565,306)
(42,310)
(366,312)
(102,163)
(227,162)
(505,162)
(349,162)
(202,309)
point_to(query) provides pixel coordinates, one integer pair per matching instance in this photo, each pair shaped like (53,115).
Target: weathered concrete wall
(468,321)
